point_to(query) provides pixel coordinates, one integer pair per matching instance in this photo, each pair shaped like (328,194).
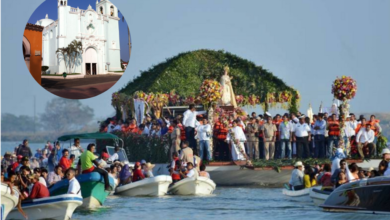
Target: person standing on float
(189,123)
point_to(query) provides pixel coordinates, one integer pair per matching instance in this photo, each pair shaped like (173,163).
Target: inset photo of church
(77,49)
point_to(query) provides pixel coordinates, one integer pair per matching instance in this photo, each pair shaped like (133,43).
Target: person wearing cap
(115,155)
(296,180)
(24,162)
(76,149)
(38,154)
(38,190)
(252,130)
(87,162)
(65,163)
(137,172)
(269,137)
(148,170)
(16,164)
(189,124)
(24,150)
(365,138)
(302,137)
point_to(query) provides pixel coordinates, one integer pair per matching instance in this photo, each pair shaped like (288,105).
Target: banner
(139,109)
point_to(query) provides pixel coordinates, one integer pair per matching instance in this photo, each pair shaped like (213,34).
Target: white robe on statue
(238,134)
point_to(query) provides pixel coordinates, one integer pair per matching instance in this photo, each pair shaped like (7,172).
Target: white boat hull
(56,207)
(90,203)
(302,192)
(8,201)
(318,198)
(154,186)
(192,186)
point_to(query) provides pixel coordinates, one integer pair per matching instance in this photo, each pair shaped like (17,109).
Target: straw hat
(149,165)
(298,164)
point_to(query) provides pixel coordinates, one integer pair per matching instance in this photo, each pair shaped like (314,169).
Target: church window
(101,10)
(112,10)
(62,3)
(65,3)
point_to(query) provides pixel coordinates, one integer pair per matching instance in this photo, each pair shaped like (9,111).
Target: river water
(227,203)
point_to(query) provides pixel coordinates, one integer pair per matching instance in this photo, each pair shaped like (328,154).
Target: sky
(307,43)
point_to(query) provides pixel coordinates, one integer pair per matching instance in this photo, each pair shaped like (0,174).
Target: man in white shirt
(118,127)
(319,137)
(76,150)
(365,138)
(74,185)
(302,136)
(296,180)
(236,137)
(189,123)
(191,172)
(204,134)
(115,155)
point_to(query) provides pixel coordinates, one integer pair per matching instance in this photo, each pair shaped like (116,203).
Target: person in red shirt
(16,164)
(39,190)
(65,163)
(137,172)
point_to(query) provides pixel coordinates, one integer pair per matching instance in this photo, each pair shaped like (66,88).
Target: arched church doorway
(90,61)
(26,52)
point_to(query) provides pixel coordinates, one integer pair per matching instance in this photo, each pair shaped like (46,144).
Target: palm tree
(70,54)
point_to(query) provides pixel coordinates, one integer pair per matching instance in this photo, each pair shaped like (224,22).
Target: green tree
(70,54)
(65,115)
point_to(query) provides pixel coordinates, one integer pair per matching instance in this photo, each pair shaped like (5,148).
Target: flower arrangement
(118,99)
(210,92)
(344,88)
(271,98)
(240,99)
(253,100)
(173,97)
(285,96)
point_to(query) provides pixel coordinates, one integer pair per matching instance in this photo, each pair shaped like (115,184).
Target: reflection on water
(226,204)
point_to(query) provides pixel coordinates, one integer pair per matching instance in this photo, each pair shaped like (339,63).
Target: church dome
(45,22)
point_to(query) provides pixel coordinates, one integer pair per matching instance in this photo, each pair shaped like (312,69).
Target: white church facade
(98,31)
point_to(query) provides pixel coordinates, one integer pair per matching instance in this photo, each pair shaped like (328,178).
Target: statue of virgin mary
(228,97)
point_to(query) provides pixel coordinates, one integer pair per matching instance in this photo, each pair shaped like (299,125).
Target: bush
(64,74)
(44,68)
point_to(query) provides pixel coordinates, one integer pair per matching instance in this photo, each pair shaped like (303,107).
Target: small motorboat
(56,207)
(193,186)
(154,186)
(92,189)
(296,193)
(366,195)
(319,196)
(8,201)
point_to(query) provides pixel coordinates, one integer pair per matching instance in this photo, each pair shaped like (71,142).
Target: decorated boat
(193,186)
(366,196)
(296,193)
(55,207)
(8,201)
(154,186)
(319,196)
(92,189)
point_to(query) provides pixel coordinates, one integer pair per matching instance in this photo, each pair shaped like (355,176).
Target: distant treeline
(62,116)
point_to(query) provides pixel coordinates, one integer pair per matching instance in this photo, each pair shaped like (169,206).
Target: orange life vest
(277,123)
(175,176)
(334,128)
(170,129)
(182,132)
(373,126)
(261,123)
(358,127)
(220,131)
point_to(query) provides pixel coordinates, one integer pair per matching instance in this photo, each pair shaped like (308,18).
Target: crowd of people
(331,176)
(262,137)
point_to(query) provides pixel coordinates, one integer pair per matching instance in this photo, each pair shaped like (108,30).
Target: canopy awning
(88,136)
